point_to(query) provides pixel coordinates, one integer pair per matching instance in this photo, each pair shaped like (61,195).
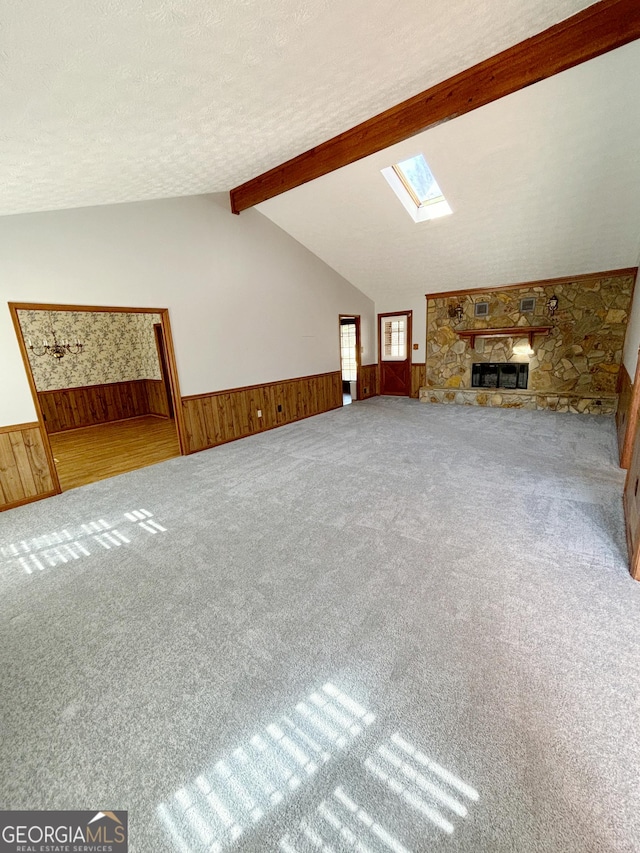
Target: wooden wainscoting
(25,475)
(70,408)
(628,412)
(626,420)
(368,381)
(418,378)
(157,402)
(631,501)
(212,419)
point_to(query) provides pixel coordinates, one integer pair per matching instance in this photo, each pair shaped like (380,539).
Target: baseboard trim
(30,500)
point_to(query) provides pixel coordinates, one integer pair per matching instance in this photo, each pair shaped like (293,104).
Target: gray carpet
(391,627)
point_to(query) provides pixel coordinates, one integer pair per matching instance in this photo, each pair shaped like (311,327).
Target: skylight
(414,184)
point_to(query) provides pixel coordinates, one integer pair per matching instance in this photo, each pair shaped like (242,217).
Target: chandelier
(57,349)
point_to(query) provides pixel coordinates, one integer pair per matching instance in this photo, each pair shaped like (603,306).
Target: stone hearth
(603,404)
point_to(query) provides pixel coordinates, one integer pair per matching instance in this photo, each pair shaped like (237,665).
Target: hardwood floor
(94,453)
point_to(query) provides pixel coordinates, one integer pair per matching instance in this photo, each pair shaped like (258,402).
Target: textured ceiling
(113,100)
(543,183)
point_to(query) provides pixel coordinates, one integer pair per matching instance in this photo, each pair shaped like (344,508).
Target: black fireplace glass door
(490,374)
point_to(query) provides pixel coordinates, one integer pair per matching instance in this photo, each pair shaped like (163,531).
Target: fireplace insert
(491,374)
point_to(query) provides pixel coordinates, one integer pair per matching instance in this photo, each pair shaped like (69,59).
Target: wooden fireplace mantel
(509,332)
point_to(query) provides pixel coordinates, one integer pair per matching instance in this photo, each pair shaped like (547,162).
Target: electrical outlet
(259,413)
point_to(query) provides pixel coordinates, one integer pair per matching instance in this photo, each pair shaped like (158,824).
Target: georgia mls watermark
(63,832)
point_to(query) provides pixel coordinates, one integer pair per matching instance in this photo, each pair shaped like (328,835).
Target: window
(416,175)
(393,336)
(348,351)
(414,184)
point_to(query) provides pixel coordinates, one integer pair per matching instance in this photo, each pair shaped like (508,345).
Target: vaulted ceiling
(116,101)
(542,183)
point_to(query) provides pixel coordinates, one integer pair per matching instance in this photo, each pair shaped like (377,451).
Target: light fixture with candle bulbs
(57,349)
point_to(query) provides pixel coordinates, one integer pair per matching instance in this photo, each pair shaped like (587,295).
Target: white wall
(632,338)
(248,304)
(416,304)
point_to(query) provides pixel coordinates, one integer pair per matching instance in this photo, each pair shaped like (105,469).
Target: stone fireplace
(520,354)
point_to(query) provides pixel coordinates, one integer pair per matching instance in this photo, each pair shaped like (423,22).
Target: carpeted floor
(391,627)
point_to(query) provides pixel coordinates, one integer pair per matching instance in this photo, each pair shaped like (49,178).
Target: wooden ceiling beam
(598,29)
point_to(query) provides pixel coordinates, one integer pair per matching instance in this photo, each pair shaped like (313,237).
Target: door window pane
(394,338)
(348,352)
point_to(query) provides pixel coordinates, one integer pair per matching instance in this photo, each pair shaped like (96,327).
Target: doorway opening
(350,357)
(105,386)
(394,353)
(164,370)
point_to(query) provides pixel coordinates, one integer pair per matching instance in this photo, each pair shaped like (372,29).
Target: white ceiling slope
(114,100)
(543,183)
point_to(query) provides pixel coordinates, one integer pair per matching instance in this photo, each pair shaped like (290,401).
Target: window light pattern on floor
(341,824)
(144,519)
(406,778)
(73,543)
(421,782)
(214,810)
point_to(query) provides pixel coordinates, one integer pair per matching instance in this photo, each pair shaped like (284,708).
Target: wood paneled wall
(631,500)
(157,403)
(368,381)
(222,416)
(418,378)
(24,468)
(69,408)
(626,417)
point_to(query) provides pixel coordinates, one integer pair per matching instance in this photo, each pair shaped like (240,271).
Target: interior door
(157,328)
(394,347)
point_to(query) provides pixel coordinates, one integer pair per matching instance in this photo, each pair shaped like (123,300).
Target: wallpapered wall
(118,347)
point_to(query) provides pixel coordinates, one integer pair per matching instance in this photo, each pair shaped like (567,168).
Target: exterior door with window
(349,354)
(394,347)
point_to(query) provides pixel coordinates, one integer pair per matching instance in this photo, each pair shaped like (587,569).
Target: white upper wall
(248,304)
